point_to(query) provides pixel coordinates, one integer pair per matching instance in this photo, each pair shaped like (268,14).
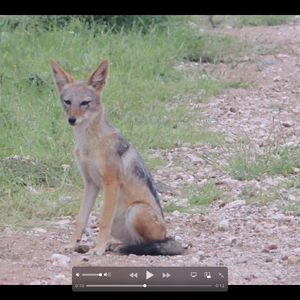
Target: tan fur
(129,210)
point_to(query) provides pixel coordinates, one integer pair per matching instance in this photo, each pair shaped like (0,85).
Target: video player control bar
(150,279)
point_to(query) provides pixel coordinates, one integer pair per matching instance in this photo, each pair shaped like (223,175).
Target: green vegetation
(247,164)
(146,97)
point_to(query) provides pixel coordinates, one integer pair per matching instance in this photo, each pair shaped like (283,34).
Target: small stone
(292,259)
(195,159)
(277,274)
(177,237)
(296,18)
(291,198)
(186,145)
(60,279)
(223,225)
(39,230)
(85,258)
(57,256)
(229,140)
(88,232)
(198,144)
(276,78)
(195,259)
(163,188)
(60,263)
(63,222)
(297,250)
(283,227)
(231,182)
(182,202)
(32,190)
(244,259)
(265,250)
(93,218)
(8,231)
(278,217)
(218,235)
(185,245)
(36,282)
(232,240)
(287,124)
(236,203)
(176,213)
(272,246)
(269,181)
(269,225)
(258,228)
(274,251)
(269,259)
(82,249)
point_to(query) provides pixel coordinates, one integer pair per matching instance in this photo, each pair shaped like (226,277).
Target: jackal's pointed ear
(60,76)
(98,78)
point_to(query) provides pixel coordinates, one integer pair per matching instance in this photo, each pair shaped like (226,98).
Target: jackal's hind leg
(144,223)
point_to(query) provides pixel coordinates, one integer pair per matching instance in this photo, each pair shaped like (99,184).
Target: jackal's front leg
(89,196)
(111,191)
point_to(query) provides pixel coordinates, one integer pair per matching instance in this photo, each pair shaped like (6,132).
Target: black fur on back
(143,173)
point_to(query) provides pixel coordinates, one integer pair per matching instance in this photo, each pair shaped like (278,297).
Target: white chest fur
(85,155)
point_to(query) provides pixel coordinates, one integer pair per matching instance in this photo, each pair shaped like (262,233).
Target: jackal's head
(82,100)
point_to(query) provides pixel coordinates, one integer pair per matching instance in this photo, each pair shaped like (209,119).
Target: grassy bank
(147,97)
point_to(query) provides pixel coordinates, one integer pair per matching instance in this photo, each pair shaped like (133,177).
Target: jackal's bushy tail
(168,246)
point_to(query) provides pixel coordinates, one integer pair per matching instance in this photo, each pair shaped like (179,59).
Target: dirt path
(259,243)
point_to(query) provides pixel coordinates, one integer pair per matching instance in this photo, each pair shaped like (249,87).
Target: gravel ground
(258,241)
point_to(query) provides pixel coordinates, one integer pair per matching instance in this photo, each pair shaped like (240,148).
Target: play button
(148,275)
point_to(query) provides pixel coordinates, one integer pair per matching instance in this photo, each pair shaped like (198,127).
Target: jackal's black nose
(72,120)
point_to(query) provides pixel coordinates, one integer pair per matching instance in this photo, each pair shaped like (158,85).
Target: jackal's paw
(68,248)
(99,251)
(114,247)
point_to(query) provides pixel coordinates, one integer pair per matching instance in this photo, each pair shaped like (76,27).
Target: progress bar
(149,285)
(116,285)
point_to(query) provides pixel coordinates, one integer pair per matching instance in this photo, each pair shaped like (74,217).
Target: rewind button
(133,275)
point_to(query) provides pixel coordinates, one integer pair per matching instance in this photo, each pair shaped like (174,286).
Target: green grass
(204,195)
(199,198)
(247,164)
(260,20)
(146,97)
(240,21)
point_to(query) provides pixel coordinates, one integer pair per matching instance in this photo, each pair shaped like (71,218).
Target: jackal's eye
(67,102)
(85,103)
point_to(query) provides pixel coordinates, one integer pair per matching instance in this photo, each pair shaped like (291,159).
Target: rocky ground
(259,241)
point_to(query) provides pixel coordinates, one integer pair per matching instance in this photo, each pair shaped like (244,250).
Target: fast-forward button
(165,275)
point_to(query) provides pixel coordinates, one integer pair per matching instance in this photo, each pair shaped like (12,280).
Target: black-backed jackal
(130,210)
